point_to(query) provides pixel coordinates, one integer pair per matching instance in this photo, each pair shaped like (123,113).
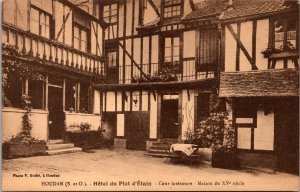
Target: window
(245,112)
(208,46)
(110,16)
(84,98)
(77,96)
(203,106)
(112,59)
(71,89)
(12,92)
(80,38)
(39,22)
(172,8)
(285,33)
(36,92)
(172,51)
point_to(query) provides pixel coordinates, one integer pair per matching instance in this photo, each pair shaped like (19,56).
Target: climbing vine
(16,67)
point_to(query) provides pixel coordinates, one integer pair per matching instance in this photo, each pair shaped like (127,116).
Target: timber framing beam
(173,85)
(134,62)
(154,7)
(242,47)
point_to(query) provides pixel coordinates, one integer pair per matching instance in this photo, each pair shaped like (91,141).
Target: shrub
(215,132)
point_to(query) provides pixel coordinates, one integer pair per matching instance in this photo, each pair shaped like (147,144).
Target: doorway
(137,130)
(56,113)
(169,117)
(287,134)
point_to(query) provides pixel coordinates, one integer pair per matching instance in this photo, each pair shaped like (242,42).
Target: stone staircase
(59,146)
(159,148)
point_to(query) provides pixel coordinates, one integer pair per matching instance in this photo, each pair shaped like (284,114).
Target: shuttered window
(208,46)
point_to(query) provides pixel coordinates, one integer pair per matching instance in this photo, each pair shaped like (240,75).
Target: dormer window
(172,8)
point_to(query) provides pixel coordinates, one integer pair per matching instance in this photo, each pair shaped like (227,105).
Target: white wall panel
(264,133)
(189,44)
(230,49)
(120,125)
(262,40)
(110,101)
(246,39)
(188,109)
(153,117)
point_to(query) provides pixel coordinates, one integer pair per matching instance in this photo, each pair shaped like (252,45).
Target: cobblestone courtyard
(124,170)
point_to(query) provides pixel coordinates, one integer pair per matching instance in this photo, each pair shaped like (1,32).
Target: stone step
(59,146)
(155,151)
(156,155)
(63,151)
(56,141)
(159,147)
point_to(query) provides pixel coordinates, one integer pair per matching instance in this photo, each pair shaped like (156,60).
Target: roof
(203,9)
(242,8)
(272,82)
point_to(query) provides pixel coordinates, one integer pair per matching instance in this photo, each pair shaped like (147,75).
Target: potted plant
(217,132)
(23,144)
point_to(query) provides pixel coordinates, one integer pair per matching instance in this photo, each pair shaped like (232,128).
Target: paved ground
(131,170)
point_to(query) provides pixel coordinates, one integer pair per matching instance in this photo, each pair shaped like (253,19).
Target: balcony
(50,53)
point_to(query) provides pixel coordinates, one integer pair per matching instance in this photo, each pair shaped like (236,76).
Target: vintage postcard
(150,95)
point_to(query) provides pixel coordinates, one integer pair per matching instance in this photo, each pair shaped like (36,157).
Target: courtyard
(119,169)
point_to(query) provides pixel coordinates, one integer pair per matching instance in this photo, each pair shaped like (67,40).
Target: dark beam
(154,7)
(240,44)
(173,85)
(134,62)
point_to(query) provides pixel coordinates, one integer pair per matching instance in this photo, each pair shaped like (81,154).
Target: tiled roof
(243,8)
(203,9)
(275,82)
(240,8)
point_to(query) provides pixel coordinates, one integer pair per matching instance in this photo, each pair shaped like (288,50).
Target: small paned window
(172,8)
(285,34)
(80,38)
(172,50)
(110,14)
(39,22)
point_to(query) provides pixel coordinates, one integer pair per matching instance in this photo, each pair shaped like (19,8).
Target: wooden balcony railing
(53,51)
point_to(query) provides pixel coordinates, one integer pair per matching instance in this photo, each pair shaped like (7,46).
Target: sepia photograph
(150,95)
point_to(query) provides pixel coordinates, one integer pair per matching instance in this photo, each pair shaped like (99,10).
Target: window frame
(110,16)
(172,64)
(172,5)
(40,11)
(285,21)
(80,29)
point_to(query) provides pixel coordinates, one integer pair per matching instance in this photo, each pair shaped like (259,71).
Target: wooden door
(137,130)
(56,114)
(169,119)
(287,134)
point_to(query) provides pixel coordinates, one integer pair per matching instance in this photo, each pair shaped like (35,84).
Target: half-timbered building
(150,38)
(262,90)
(61,42)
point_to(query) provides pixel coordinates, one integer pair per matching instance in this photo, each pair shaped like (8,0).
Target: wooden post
(46,93)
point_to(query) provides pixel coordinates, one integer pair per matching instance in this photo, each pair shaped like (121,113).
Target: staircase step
(59,146)
(56,141)
(155,151)
(63,151)
(156,155)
